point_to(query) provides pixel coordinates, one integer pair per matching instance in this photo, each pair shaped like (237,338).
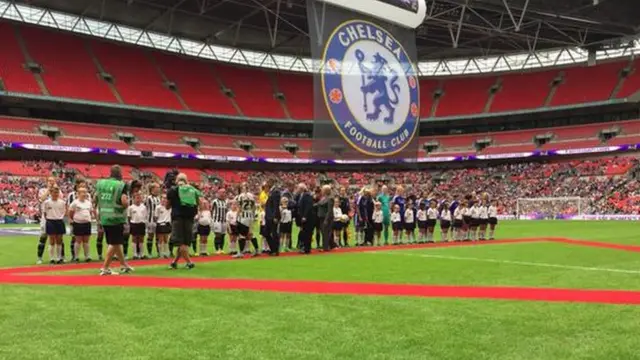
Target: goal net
(548,208)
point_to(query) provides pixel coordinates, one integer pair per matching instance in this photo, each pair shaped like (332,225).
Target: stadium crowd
(606,185)
(602,193)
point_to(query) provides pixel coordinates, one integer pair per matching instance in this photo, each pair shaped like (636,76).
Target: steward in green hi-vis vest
(189,196)
(109,193)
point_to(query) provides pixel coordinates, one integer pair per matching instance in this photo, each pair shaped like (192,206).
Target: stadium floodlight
(548,208)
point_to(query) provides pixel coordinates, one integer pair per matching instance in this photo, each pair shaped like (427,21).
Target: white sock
(59,251)
(76,249)
(85,247)
(52,252)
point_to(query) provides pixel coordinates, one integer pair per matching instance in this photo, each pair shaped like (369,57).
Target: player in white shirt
(204,220)
(232,228)
(410,222)
(286,224)
(162,218)
(458,221)
(378,218)
(138,216)
(81,212)
(263,229)
(466,212)
(422,223)
(43,195)
(79,182)
(54,210)
(483,215)
(445,221)
(474,212)
(493,218)
(396,224)
(432,218)
(338,223)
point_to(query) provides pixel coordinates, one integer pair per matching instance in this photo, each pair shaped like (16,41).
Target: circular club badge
(370,88)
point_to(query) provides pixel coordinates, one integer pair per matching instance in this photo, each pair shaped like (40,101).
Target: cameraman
(183,200)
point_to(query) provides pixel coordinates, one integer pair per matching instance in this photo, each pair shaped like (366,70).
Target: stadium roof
(453,28)
(475,35)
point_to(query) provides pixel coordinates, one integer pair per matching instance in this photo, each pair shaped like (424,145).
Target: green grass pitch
(76,322)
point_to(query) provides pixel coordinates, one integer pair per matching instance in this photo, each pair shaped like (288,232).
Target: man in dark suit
(304,218)
(365,210)
(272,218)
(325,217)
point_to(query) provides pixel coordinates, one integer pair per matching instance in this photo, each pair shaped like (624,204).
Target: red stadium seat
(464,96)
(587,84)
(574,144)
(69,71)
(427,89)
(514,96)
(578,132)
(93,142)
(196,83)
(25,138)
(14,75)
(505,149)
(159,147)
(631,84)
(253,91)
(19,125)
(298,92)
(136,77)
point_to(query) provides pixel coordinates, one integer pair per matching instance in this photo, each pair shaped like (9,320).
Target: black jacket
(305,209)
(272,207)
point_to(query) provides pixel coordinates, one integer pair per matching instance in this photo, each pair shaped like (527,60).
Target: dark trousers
(326,228)
(318,229)
(368,233)
(304,237)
(273,239)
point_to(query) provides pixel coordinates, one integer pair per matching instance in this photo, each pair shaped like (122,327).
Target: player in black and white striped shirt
(152,202)
(246,220)
(134,187)
(219,216)
(80,182)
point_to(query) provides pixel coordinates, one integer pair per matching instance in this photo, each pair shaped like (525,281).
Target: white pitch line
(510,262)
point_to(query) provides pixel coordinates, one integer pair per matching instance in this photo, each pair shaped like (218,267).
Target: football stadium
(319,179)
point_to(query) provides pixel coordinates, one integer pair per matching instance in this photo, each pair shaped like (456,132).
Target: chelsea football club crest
(370,87)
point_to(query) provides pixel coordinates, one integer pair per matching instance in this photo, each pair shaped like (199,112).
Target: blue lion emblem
(374,81)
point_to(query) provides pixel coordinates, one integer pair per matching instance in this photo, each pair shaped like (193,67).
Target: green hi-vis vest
(109,193)
(189,196)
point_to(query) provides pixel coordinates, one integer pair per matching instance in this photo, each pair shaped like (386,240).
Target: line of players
(148,217)
(464,221)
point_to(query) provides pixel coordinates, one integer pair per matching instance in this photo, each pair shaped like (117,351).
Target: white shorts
(219,228)
(151,228)
(43,226)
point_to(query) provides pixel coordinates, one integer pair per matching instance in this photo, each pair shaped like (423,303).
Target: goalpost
(547,208)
